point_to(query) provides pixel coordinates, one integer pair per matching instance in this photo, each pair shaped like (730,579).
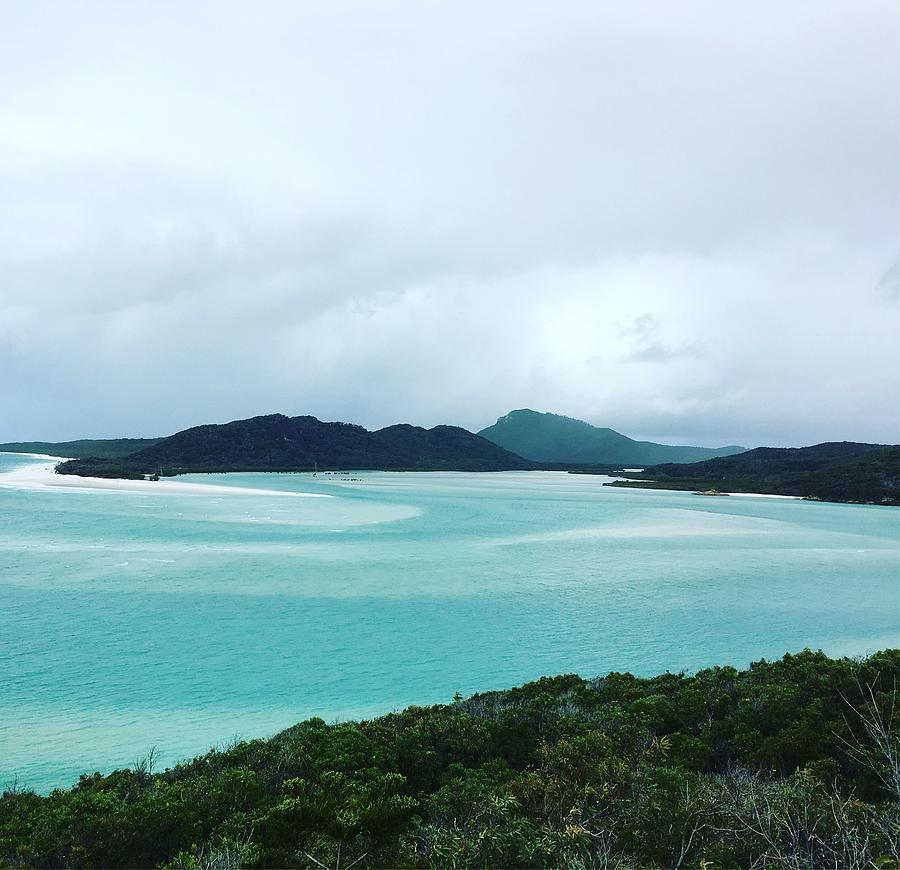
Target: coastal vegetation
(789,763)
(97,448)
(841,471)
(279,443)
(554,438)
(838,471)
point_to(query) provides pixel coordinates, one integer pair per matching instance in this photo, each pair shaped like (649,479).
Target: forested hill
(838,471)
(100,448)
(787,764)
(279,443)
(553,438)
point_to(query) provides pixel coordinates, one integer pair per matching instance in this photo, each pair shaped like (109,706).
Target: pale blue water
(131,620)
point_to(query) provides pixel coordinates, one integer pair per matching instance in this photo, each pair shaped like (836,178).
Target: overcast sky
(679,220)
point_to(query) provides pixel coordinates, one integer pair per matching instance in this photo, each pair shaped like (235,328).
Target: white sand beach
(42,476)
(736,494)
(764,495)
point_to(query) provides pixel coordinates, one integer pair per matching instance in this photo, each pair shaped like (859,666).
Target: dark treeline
(842,471)
(279,443)
(793,763)
(97,448)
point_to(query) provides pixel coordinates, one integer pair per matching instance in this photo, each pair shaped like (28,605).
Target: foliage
(103,448)
(554,438)
(279,443)
(792,763)
(844,472)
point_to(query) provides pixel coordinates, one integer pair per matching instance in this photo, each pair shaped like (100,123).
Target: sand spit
(764,495)
(42,476)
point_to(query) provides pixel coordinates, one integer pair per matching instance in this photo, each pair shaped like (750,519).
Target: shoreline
(765,495)
(623,483)
(619,480)
(42,476)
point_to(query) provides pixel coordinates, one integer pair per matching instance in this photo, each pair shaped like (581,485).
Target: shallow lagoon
(133,620)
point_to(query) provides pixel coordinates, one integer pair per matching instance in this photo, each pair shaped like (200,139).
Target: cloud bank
(680,221)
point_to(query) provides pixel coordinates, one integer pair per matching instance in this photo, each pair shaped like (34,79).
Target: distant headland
(522,440)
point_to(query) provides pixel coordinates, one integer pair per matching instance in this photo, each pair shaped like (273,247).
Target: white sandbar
(765,495)
(44,477)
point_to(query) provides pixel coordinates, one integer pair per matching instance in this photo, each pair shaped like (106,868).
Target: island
(275,442)
(842,471)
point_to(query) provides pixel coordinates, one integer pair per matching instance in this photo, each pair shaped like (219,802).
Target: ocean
(179,620)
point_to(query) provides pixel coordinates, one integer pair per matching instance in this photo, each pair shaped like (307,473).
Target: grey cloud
(659,353)
(644,335)
(888,286)
(396,211)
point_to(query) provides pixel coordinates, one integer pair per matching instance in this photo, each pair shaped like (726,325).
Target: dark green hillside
(103,448)
(788,764)
(769,461)
(553,438)
(279,443)
(843,471)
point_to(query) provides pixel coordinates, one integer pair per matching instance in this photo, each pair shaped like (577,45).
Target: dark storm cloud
(664,219)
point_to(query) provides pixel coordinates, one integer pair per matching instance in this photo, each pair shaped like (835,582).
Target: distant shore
(664,486)
(43,476)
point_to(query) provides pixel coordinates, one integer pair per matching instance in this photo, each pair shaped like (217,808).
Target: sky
(679,220)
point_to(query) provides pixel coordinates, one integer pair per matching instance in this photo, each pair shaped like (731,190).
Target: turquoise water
(133,620)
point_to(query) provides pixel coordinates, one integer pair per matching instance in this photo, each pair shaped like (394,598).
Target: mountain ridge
(276,442)
(547,437)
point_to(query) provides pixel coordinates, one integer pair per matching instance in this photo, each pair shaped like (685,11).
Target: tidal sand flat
(39,474)
(182,617)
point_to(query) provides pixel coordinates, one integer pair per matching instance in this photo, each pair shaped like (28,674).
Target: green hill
(553,438)
(279,443)
(102,448)
(845,471)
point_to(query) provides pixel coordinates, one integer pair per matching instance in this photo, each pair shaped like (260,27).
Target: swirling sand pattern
(178,619)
